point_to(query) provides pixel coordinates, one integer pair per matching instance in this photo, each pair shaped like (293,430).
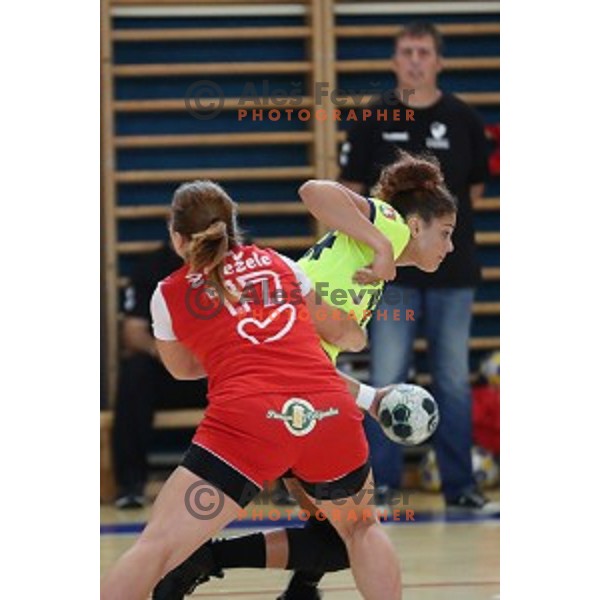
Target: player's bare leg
(310,551)
(276,541)
(172,534)
(373,560)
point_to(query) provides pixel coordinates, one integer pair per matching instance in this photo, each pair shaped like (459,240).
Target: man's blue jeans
(446,314)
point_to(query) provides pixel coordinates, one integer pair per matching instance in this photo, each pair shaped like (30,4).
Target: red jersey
(263,342)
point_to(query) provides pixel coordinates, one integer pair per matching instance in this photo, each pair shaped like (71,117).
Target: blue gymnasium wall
(137,88)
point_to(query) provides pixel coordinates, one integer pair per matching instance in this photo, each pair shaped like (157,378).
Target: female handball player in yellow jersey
(409,223)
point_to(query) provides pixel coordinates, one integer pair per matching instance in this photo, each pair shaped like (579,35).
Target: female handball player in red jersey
(236,314)
(409,222)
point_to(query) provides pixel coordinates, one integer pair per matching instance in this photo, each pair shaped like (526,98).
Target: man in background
(446,127)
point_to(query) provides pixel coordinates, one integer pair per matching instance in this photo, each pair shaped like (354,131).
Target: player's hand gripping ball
(408,414)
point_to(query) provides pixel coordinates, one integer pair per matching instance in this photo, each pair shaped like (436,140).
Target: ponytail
(204,214)
(206,251)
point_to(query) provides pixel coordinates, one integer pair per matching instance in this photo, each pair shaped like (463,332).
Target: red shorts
(318,436)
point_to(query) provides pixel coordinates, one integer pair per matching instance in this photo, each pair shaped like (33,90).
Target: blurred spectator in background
(144,384)
(446,127)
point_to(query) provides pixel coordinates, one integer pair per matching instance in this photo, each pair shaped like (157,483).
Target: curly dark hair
(415,185)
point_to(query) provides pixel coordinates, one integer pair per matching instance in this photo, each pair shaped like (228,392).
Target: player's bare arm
(374,395)
(335,326)
(179,361)
(340,208)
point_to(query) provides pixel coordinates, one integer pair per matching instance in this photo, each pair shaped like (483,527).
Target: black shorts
(217,472)
(242,490)
(344,487)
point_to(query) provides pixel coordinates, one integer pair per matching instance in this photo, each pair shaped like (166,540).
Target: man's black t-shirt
(148,271)
(453,132)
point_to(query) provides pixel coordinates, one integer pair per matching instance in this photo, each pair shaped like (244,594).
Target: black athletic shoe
(195,570)
(307,594)
(303,586)
(474,503)
(128,501)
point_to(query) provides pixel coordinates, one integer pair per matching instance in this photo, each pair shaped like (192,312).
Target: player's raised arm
(340,208)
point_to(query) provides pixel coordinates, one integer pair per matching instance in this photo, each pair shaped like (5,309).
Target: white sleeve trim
(303,279)
(161,318)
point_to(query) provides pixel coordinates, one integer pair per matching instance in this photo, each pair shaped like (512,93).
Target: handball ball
(408,414)
(490,368)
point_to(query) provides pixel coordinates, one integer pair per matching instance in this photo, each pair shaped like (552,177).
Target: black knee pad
(316,547)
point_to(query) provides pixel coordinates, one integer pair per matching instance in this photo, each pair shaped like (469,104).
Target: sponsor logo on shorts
(299,416)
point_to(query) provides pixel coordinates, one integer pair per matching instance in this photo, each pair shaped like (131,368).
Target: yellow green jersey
(333,260)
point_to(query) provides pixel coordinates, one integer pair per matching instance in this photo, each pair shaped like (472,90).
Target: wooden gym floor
(441,559)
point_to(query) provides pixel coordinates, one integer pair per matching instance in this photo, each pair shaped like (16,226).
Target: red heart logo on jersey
(245,326)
